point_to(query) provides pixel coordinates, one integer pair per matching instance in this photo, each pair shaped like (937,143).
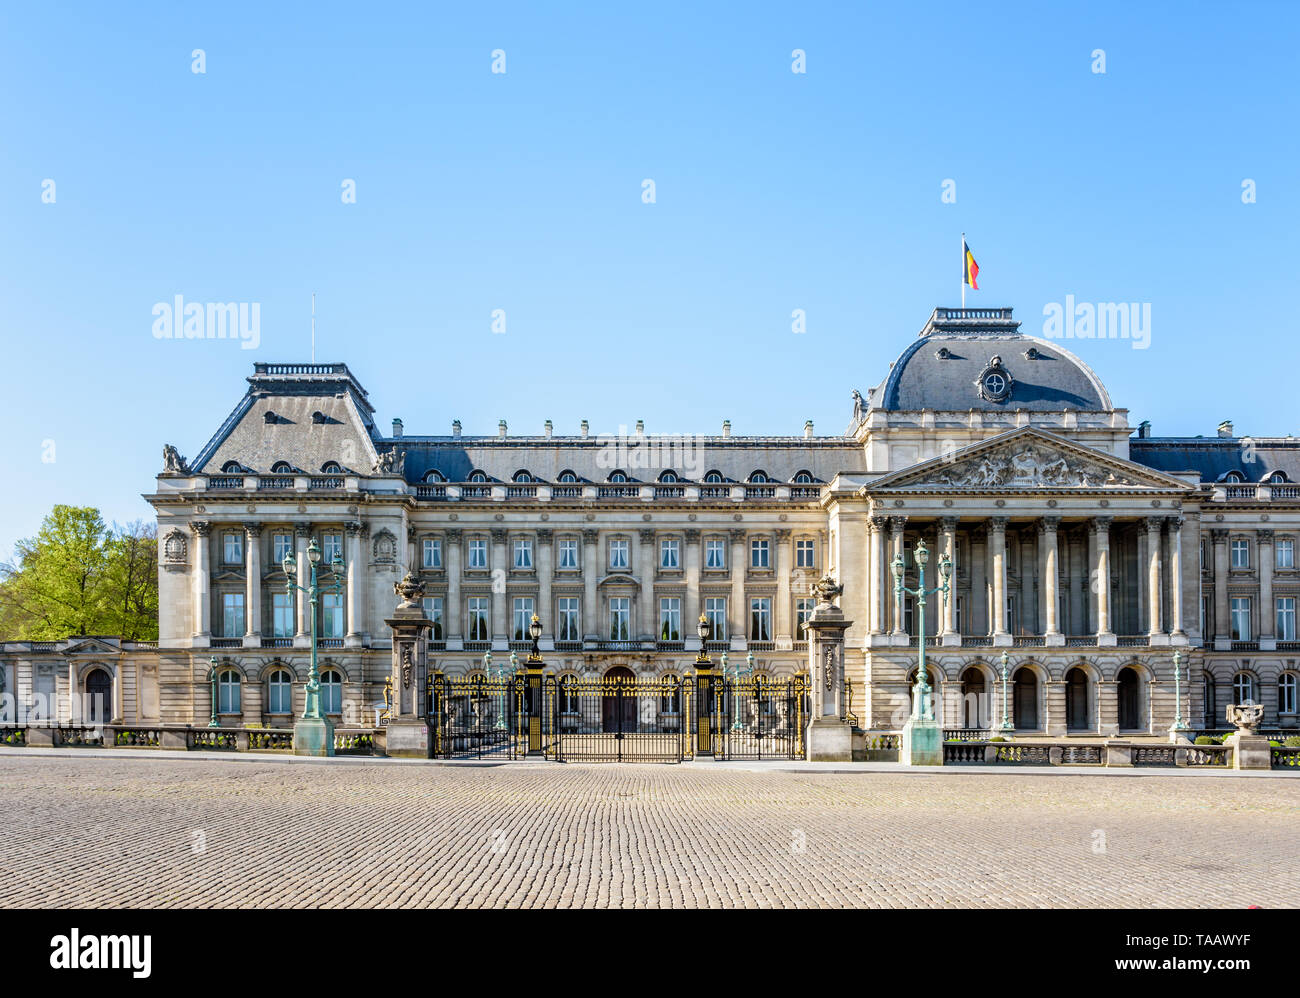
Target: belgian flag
(969,268)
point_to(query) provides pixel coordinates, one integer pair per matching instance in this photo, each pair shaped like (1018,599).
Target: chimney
(586,428)
(549,429)
(640,427)
(397,427)
(501,429)
(1225,428)
(807,429)
(726,429)
(1144,429)
(455,428)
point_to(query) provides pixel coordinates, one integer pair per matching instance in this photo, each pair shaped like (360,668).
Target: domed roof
(978,359)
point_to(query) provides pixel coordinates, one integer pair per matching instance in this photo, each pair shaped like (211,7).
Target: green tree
(132,582)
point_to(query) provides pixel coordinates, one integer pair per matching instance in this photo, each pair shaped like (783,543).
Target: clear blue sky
(522,192)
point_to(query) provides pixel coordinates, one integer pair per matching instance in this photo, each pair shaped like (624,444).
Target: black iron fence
(617,720)
(475,717)
(757,718)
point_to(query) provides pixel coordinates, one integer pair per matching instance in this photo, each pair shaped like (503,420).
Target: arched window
(713,477)
(759,477)
(434,475)
(1277,478)
(523,476)
(1243,688)
(282,468)
(1234,476)
(331,692)
(228,692)
(803,478)
(567,477)
(331,468)
(618,476)
(668,476)
(1286,693)
(477,476)
(279,692)
(232,467)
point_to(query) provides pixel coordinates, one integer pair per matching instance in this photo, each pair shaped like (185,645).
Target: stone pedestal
(408,735)
(1250,751)
(829,736)
(921,743)
(313,736)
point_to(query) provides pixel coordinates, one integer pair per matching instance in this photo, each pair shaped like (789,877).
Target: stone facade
(1087,553)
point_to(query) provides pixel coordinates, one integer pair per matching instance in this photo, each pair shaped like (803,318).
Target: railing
(1286,491)
(1079,642)
(277,642)
(804,492)
(184,737)
(676,646)
(1154,755)
(265,484)
(568,646)
(226,482)
(618,645)
(431,492)
(715,492)
(618,492)
(476,492)
(1132,641)
(329,642)
(521,491)
(760,492)
(478,646)
(227,642)
(1245,646)
(1028,641)
(1209,755)
(761,646)
(1285,757)
(329,482)
(965,734)
(1241,491)
(566,492)
(976,641)
(670,491)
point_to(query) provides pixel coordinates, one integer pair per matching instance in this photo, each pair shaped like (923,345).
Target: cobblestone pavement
(139,832)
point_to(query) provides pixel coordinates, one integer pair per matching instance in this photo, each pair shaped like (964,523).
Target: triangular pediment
(90,646)
(1027,458)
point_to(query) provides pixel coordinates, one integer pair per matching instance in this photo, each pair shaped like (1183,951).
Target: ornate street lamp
(212,678)
(1180,726)
(705,630)
(312,707)
(736,723)
(1006,726)
(922,709)
(535,632)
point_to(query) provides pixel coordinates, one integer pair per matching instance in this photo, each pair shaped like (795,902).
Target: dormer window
(331,468)
(1277,478)
(668,476)
(232,468)
(567,478)
(803,478)
(759,478)
(477,476)
(1234,476)
(523,476)
(282,468)
(713,478)
(434,475)
(618,476)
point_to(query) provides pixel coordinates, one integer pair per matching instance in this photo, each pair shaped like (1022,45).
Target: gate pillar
(408,724)
(829,736)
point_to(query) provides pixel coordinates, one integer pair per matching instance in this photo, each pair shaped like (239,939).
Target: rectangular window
(282,625)
(957,615)
(670,619)
(909,618)
(715,553)
(1011,615)
(523,616)
(281,545)
(760,619)
(805,554)
(331,548)
(232,615)
(569,553)
(523,553)
(1241,618)
(619,609)
(433,552)
(331,624)
(1240,553)
(478,553)
(1285,557)
(568,606)
(618,552)
(759,554)
(433,610)
(670,553)
(803,608)
(715,609)
(1285,618)
(234,548)
(478,618)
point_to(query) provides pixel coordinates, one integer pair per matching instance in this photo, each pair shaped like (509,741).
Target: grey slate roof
(1255,459)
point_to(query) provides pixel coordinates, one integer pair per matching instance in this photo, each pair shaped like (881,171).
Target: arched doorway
(1025,696)
(1076,700)
(974,701)
(99,694)
(618,702)
(1130,714)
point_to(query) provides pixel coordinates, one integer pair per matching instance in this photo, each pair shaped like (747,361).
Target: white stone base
(829,740)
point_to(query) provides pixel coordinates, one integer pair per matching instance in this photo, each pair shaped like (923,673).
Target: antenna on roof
(313,327)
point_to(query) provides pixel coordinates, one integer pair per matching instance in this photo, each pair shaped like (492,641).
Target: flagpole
(963,270)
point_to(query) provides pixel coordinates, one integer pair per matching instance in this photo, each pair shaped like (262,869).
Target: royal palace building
(1087,556)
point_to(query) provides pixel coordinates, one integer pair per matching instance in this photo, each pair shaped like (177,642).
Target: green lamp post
(737,724)
(1178,730)
(922,709)
(313,734)
(212,679)
(1006,727)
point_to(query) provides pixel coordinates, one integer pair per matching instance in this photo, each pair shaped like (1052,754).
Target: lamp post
(705,630)
(533,675)
(1178,730)
(736,724)
(704,688)
(922,709)
(212,678)
(1005,727)
(312,713)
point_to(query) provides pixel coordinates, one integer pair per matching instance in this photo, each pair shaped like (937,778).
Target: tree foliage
(80,576)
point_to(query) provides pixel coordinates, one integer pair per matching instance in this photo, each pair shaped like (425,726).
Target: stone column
(998,551)
(1090,582)
(646,624)
(1267,611)
(948,546)
(691,607)
(1101,578)
(739,612)
(829,734)
(979,585)
(590,576)
(1176,577)
(500,562)
(545,574)
(202,602)
(252,585)
(1222,632)
(453,612)
(896,525)
(408,734)
(1155,573)
(1047,537)
(302,533)
(876,575)
(782,559)
(352,538)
